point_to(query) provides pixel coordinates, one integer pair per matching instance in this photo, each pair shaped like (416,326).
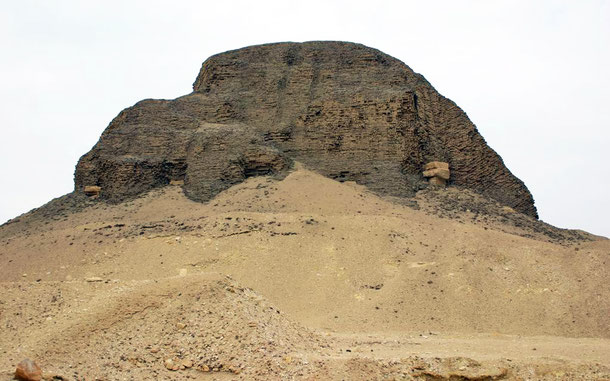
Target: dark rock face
(345,110)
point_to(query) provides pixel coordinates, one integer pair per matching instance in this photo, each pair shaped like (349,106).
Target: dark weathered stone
(345,110)
(220,156)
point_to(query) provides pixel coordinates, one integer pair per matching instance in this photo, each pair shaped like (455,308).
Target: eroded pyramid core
(345,110)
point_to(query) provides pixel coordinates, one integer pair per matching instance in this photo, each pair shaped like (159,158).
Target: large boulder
(345,110)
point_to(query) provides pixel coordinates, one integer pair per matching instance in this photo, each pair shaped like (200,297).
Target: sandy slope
(332,282)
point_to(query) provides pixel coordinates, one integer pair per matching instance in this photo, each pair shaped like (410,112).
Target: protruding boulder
(437,172)
(92,190)
(436,165)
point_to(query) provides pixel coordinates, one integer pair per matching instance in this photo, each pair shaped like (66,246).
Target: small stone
(154,350)
(94,279)
(180,325)
(28,370)
(187,363)
(171,365)
(205,368)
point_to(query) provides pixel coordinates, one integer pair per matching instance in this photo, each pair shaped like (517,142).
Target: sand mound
(150,329)
(115,290)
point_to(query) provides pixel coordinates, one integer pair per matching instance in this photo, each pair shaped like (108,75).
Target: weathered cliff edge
(345,110)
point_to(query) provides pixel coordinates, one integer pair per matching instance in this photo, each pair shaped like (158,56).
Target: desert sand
(301,278)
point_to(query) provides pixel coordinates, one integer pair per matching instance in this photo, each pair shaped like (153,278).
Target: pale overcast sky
(532,75)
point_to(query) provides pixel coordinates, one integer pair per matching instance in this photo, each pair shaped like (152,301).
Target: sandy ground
(304,278)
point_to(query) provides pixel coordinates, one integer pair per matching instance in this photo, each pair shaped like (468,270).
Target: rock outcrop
(437,173)
(345,110)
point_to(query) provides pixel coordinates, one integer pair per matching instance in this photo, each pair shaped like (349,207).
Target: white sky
(532,75)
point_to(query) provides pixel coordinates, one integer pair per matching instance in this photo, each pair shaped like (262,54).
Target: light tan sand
(332,282)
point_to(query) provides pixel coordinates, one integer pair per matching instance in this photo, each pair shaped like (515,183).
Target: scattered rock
(171,364)
(94,279)
(28,370)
